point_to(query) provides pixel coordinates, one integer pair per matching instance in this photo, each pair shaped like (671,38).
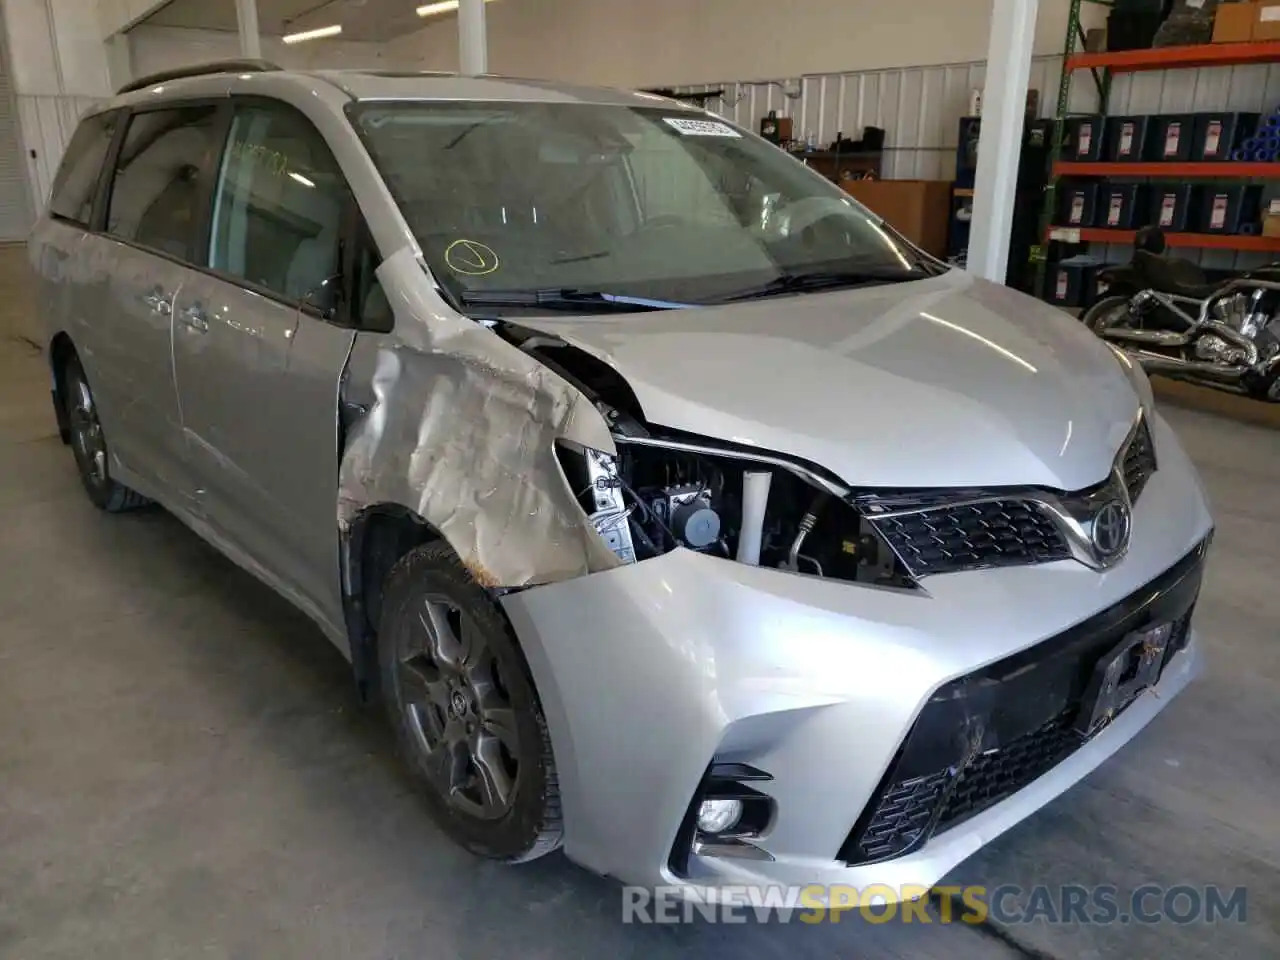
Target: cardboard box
(1267,24)
(1271,219)
(1234,22)
(919,209)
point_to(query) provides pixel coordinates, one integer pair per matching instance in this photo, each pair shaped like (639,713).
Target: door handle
(159,303)
(195,318)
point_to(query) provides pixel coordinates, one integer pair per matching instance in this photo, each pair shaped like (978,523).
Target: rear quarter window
(76,184)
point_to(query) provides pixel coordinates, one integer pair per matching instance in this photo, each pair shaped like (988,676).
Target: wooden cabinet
(919,209)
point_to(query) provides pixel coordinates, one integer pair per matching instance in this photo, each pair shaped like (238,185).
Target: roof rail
(200,70)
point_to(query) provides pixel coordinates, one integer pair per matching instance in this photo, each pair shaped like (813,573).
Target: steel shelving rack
(1103,67)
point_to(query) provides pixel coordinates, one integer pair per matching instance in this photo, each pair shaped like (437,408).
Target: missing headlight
(653,498)
(593,477)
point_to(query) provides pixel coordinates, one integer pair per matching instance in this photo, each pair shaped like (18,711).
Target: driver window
(278,206)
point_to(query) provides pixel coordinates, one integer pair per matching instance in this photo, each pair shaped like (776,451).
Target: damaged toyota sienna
(682,513)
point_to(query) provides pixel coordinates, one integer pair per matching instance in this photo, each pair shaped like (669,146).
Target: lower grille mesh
(904,814)
(988,779)
(936,782)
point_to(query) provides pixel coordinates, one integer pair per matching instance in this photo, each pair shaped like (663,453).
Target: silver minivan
(681,511)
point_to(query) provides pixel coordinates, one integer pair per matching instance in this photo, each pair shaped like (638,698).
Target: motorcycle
(1163,312)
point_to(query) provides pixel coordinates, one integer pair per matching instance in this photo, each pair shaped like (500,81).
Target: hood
(946,382)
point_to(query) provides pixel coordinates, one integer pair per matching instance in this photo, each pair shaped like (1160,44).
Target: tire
(464,710)
(89,445)
(1100,311)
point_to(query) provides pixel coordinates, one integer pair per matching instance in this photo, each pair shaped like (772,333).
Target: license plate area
(1122,674)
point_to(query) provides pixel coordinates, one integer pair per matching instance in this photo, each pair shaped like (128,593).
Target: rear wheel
(465,711)
(1104,313)
(90,445)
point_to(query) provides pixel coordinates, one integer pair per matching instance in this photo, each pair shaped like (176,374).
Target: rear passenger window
(76,185)
(278,206)
(155,200)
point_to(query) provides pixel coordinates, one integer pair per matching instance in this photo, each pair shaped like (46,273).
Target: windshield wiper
(585,301)
(823,280)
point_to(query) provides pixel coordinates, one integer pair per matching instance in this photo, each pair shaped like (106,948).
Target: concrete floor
(185,771)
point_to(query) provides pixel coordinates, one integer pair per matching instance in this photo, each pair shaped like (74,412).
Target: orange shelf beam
(1208,171)
(1171,58)
(1203,241)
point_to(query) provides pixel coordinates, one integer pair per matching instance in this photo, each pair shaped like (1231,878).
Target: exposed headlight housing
(755,507)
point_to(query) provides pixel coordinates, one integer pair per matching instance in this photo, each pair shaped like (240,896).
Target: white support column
(1004,98)
(473,47)
(250,39)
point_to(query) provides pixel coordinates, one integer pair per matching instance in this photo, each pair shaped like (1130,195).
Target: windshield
(651,203)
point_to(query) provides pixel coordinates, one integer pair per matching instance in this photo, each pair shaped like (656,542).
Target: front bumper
(650,672)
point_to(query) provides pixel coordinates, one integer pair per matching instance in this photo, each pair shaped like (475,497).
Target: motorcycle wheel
(1103,313)
(1266,389)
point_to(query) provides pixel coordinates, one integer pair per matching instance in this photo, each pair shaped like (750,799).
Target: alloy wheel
(460,710)
(86,434)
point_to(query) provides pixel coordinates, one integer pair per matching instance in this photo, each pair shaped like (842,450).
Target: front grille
(997,533)
(1139,461)
(985,736)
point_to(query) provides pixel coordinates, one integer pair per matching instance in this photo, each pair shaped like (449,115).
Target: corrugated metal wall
(919,108)
(15,199)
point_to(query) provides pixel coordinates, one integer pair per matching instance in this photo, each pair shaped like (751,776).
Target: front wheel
(465,711)
(90,445)
(1104,313)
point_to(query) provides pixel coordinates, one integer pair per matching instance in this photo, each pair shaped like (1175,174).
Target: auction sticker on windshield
(701,128)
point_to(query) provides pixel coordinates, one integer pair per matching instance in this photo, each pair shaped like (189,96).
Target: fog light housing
(718,815)
(726,817)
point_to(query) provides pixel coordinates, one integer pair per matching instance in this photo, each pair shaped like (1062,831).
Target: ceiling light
(305,181)
(431,9)
(331,31)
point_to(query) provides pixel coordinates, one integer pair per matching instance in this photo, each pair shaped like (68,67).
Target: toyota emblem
(1111,530)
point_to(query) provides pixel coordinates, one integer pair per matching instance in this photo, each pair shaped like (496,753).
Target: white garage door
(15,203)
